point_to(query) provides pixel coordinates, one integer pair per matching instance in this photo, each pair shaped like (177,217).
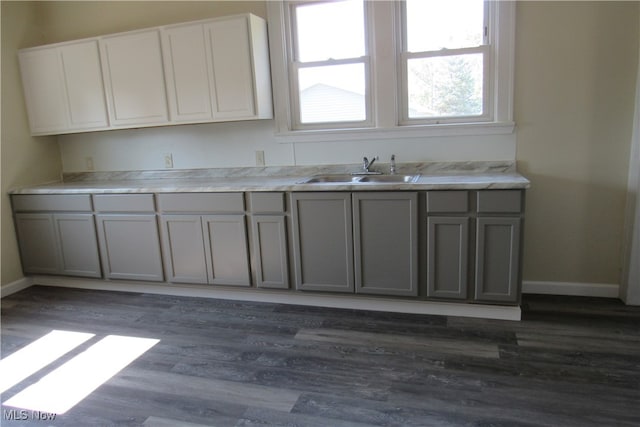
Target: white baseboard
(16,286)
(484,311)
(604,290)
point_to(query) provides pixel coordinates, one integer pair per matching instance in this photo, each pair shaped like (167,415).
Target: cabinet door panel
(323,241)
(78,245)
(184,252)
(44,90)
(232,68)
(226,240)
(447,257)
(130,247)
(386,243)
(498,253)
(38,246)
(85,88)
(187,69)
(270,245)
(132,65)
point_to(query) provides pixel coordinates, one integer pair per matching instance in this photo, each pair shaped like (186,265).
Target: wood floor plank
(208,388)
(441,345)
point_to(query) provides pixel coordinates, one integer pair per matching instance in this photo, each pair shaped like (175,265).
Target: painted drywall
(25,160)
(576,68)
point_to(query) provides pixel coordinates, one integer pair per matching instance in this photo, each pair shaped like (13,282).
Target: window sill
(423,131)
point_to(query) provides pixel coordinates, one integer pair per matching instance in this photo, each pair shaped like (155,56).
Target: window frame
(384,32)
(294,65)
(487,85)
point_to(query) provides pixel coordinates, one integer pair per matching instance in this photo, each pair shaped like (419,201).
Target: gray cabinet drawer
(51,202)
(499,201)
(267,202)
(123,202)
(201,202)
(447,201)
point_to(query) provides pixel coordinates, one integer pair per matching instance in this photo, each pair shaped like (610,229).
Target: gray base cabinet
(447,257)
(497,264)
(57,234)
(322,241)
(184,249)
(38,247)
(386,243)
(459,245)
(270,247)
(58,244)
(205,249)
(130,247)
(227,252)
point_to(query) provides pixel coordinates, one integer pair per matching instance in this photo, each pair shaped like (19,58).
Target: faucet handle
(392,168)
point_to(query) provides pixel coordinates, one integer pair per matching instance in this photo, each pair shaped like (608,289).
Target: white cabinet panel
(134,78)
(85,89)
(63,88)
(44,90)
(217,70)
(232,69)
(187,70)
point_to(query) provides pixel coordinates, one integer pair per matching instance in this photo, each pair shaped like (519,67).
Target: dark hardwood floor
(570,362)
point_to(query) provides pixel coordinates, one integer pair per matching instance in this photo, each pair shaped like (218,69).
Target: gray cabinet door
(386,243)
(497,259)
(76,234)
(130,247)
(270,247)
(323,241)
(184,248)
(38,246)
(447,257)
(227,251)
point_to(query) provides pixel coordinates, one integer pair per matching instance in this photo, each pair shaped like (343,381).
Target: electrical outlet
(88,163)
(259,158)
(168,160)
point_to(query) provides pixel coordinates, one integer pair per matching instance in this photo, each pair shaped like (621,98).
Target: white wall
(234,144)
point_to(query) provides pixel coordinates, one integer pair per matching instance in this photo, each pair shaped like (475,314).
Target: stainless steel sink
(331,179)
(360,179)
(391,179)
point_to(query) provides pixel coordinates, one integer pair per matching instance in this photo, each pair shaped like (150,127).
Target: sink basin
(332,179)
(357,179)
(390,178)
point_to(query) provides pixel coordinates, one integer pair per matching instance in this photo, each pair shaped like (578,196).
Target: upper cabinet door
(240,68)
(85,89)
(134,78)
(44,90)
(63,88)
(187,72)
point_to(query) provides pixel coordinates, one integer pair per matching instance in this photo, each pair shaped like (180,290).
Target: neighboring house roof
(324,103)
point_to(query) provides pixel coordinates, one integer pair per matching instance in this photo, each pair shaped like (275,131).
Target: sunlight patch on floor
(35,356)
(67,385)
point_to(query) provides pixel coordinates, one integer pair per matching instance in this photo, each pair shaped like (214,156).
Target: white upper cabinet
(218,70)
(195,72)
(63,88)
(134,78)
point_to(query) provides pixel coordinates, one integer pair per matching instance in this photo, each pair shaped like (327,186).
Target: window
(330,68)
(371,67)
(443,60)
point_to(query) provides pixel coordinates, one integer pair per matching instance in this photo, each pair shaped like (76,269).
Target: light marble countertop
(433,176)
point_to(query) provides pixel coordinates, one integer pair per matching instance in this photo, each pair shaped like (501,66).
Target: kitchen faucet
(366,165)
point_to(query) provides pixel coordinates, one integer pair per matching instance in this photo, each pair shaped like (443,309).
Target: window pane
(332,30)
(444,24)
(445,86)
(334,93)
